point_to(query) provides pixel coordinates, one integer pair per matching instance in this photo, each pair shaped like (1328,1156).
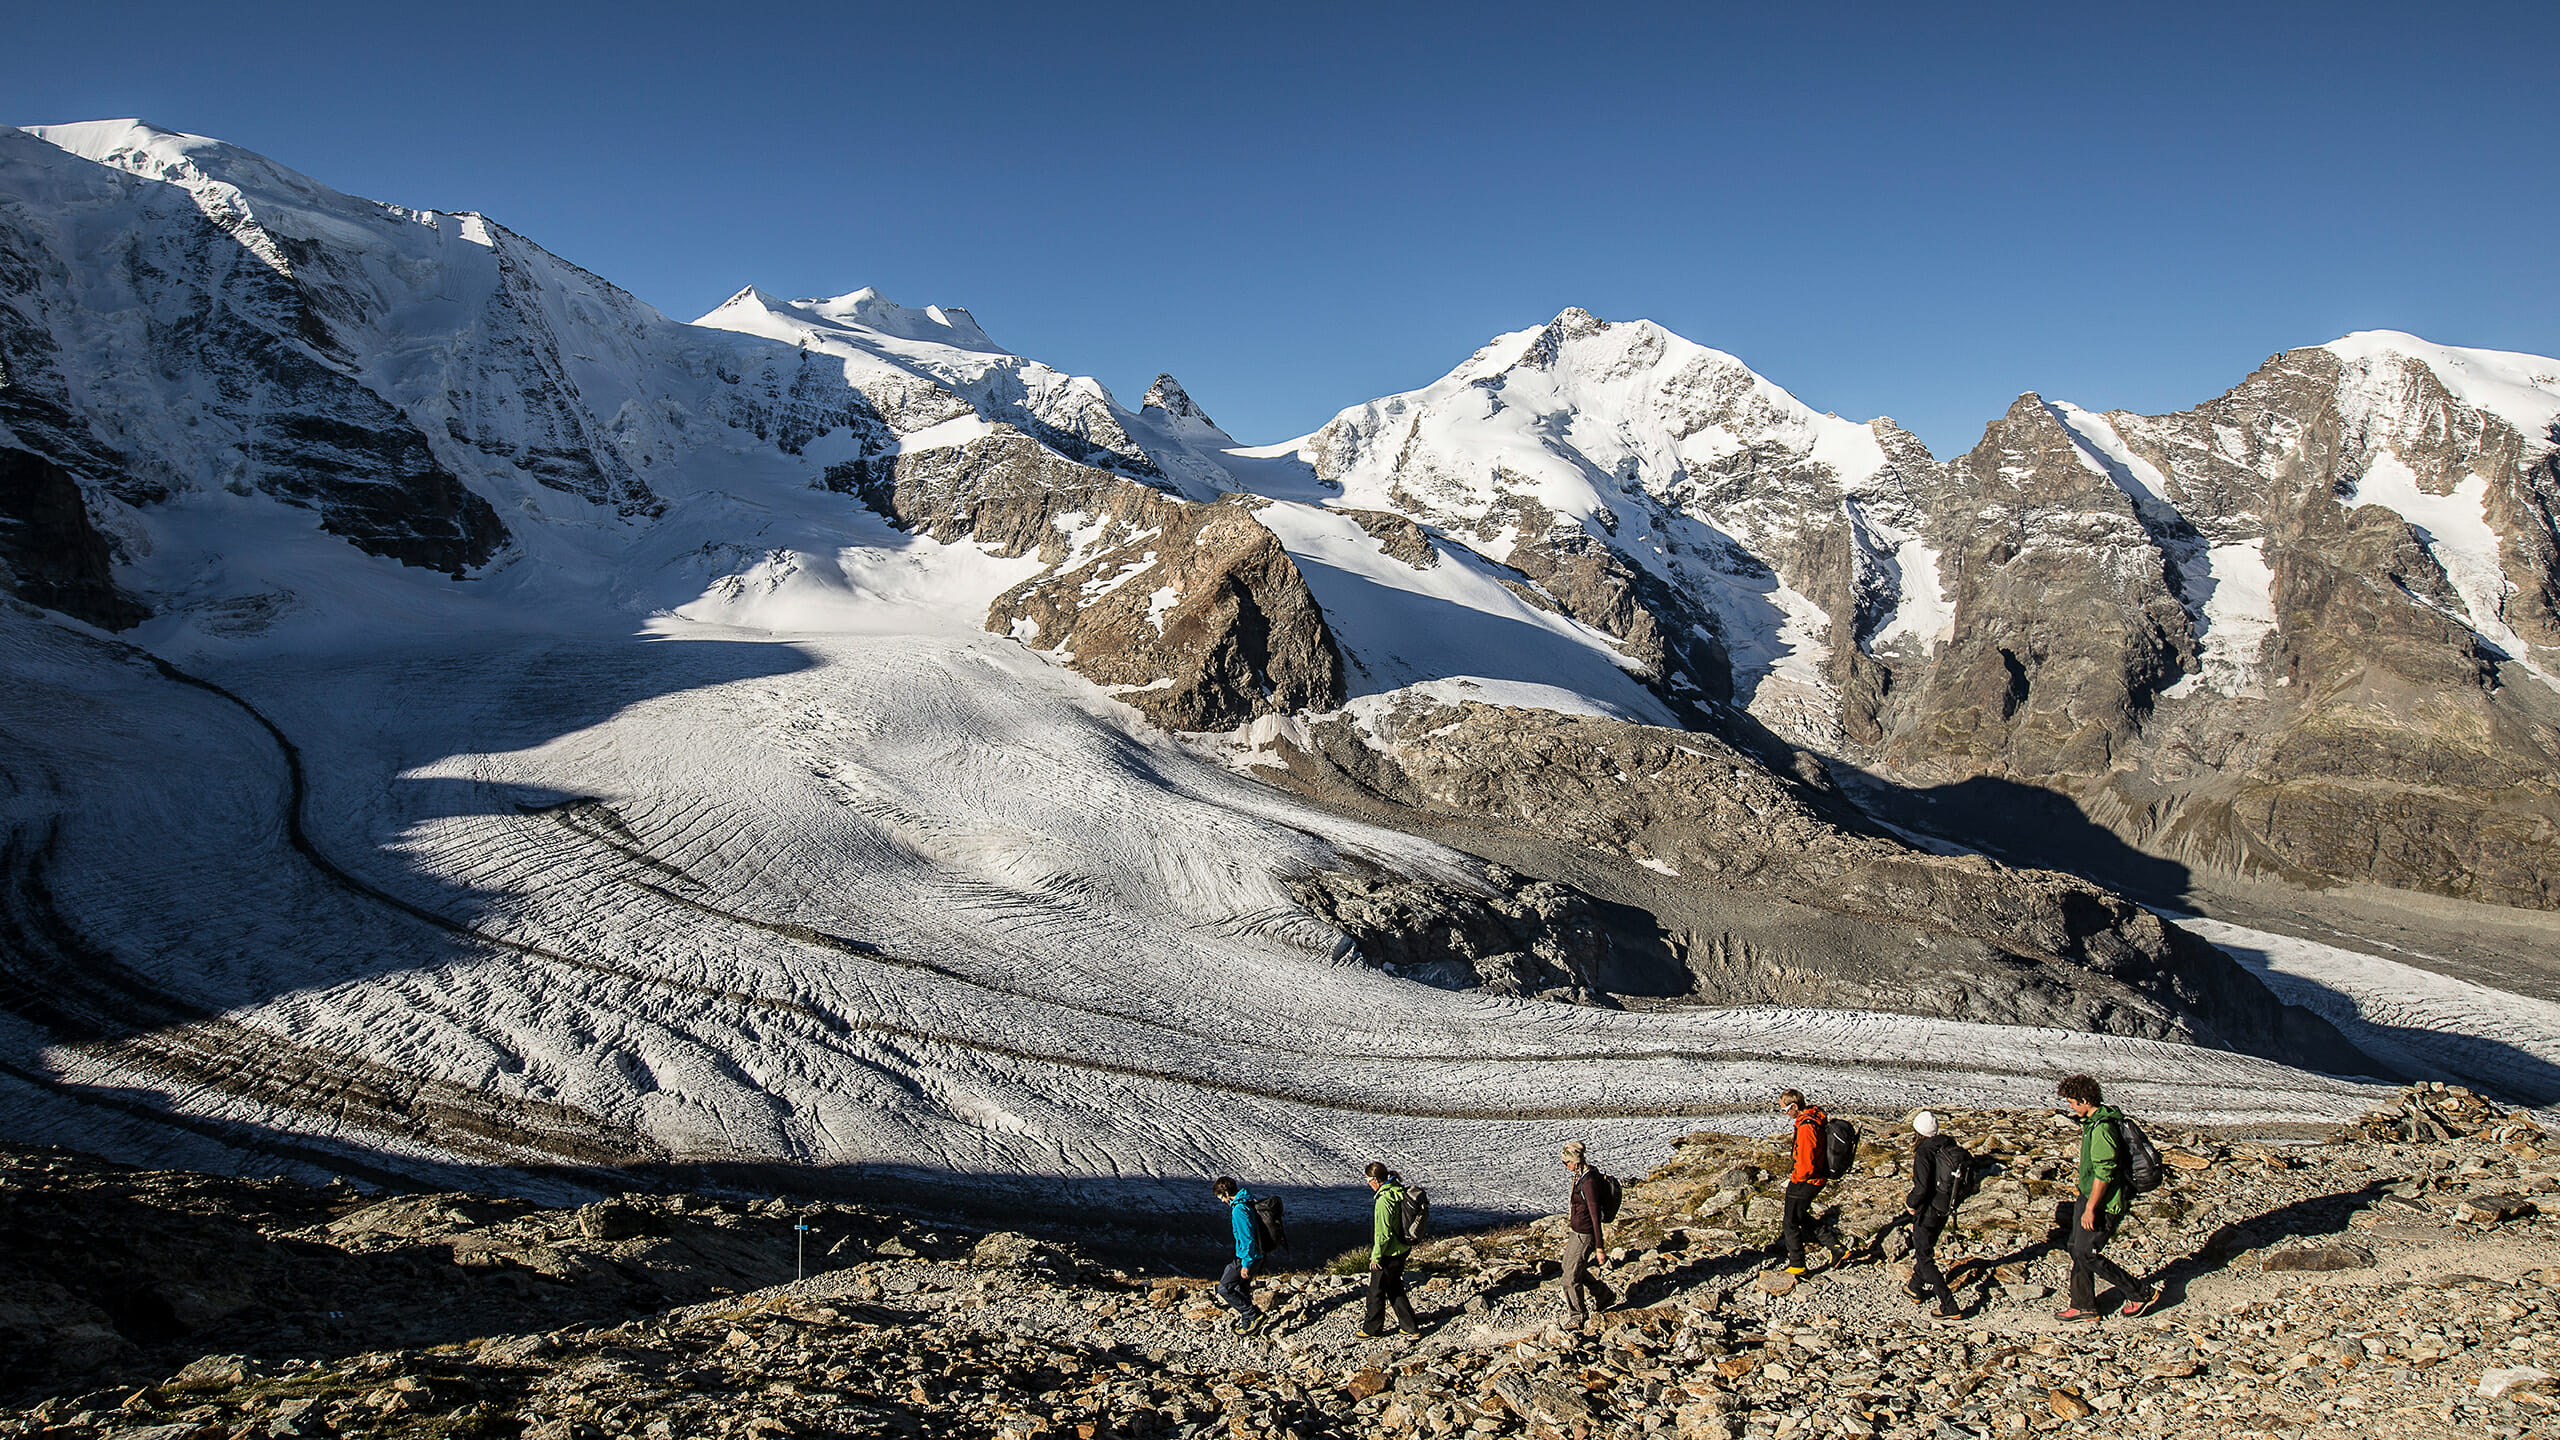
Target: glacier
(574,778)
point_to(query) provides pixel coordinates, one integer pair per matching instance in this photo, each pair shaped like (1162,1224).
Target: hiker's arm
(2097,1196)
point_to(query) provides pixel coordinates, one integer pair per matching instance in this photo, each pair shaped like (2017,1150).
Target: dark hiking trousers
(1799,1218)
(1386,1287)
(1925,1275)
(2089,1267)
(1236,1292)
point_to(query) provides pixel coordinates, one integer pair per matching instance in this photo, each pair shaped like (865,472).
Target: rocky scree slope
(1872,922)
(2391,1279)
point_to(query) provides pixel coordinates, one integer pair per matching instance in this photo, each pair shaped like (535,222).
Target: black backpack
(1606,1192)
(2141,1161)
(1268,1227)
(1413,1215)
(1955,1177)
(1839,1148)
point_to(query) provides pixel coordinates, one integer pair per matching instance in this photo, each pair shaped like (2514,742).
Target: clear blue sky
(1908,209)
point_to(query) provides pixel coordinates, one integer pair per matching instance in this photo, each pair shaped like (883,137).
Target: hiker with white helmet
(1939,1178)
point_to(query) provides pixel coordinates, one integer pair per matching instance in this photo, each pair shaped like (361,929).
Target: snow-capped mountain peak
(245,193)
(2521,389)
(434,502)
(892,355)
(864,314)
(1712,492)
(938,324)
(1183,412)
(147,150)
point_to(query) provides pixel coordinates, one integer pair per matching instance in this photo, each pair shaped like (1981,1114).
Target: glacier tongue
(844,900)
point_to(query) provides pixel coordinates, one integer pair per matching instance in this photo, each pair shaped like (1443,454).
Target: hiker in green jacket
(1387,1254)
(2101,1206)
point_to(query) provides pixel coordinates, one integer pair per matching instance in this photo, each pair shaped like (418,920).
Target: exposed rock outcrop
(1193,613)
(2066,626)
(2359,727)
(1517,937)
(50,553)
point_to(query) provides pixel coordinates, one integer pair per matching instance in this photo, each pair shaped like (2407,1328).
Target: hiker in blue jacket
(1235,1287)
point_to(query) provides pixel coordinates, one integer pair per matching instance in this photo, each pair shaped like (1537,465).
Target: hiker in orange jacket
(1804,1182)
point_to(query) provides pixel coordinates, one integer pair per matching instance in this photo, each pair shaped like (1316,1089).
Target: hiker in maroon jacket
(1582,1240)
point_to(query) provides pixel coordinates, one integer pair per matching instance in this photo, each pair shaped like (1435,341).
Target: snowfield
(1401,626)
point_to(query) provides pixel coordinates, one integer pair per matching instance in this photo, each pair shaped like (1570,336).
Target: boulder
(2498,1384)
(611,1220)
(1005,1248)
(2494,1209)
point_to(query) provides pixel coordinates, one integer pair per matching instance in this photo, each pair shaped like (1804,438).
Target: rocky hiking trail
(2396,1277)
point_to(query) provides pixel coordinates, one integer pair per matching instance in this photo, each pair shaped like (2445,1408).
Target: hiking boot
(1365,1333)
(1949,1310)
(1795,1269)
(1915,1294)
(1413,1332)
(2075,1316)
(2141,1304)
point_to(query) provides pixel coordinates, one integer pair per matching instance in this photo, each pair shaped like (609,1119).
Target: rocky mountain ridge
(2302,630)
(2212,633)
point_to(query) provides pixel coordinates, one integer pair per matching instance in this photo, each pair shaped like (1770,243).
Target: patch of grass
(1354,1261)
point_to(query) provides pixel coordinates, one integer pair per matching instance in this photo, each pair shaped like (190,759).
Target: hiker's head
(1378,1173)
(1573,1153)
(1924,1123)
(1791,1101)
(1225,1189)
(2079,1092)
